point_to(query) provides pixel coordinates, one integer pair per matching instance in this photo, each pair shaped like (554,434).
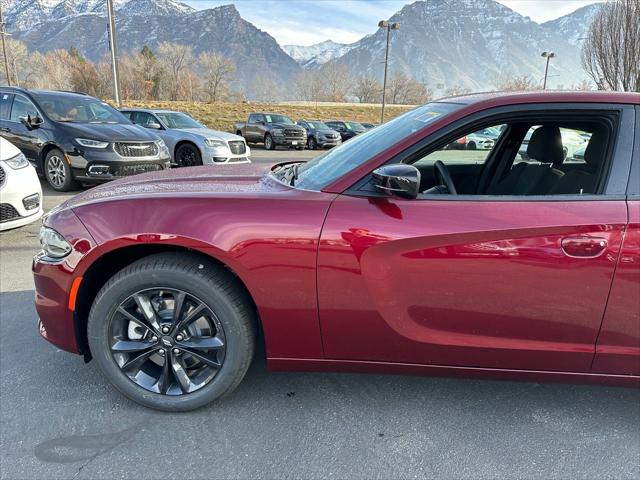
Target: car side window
(471,149)
(129,115)
(145,119)
(21,108)
(5,105)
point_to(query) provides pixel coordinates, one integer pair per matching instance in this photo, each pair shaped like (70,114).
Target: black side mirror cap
(399,179)
(31,122)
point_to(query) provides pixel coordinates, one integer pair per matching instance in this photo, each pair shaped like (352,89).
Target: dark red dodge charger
(389,253)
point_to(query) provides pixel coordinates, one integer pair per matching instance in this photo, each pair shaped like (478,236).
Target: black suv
(347,130)
(73,138)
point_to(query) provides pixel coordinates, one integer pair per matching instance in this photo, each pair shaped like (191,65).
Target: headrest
(596,149)
(545,145)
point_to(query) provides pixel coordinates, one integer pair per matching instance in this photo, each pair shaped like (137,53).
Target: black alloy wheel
(173,331)
(188,155)
(167,341)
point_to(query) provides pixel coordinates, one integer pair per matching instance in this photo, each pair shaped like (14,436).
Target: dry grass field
(221,116)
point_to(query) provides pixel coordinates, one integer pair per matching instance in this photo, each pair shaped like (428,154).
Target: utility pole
(114,52)
(4,47)
(548,56)
(389,27)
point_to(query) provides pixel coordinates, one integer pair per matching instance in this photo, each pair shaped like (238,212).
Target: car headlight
(86,142)
(53,244)
(277,132)
(161,144)
(17,162)
(212,142)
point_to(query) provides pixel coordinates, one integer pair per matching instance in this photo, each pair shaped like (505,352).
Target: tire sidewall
(198,159)
(236,344)
(69,182)
(268,142)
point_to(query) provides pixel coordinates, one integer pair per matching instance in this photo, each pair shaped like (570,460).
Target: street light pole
(114,54)
(4,47)
(389,27)
(548,56)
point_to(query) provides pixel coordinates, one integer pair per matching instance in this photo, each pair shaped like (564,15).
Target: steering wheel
(444,177)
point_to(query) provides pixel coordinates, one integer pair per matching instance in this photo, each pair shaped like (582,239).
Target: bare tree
(368,89)
(266,89)
(217,70)
(336,80)
(175,60)
(403,90)
(611,51)
(17,54)
(510,83)
(309,86)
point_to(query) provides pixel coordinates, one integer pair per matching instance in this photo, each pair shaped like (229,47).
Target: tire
(57,172)
(269,144)
(221,295)
(471,146)
(188,155)
(311,143)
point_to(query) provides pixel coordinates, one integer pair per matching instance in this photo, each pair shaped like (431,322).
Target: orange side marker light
(73,294)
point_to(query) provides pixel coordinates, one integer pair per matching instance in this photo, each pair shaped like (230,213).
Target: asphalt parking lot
(60,419)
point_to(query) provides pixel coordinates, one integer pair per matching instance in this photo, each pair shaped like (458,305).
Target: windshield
(327,168)
(178,120)
(78,109)
(278,119)
(318,126)
(356,127)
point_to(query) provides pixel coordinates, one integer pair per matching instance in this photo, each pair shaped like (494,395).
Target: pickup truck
(272,129)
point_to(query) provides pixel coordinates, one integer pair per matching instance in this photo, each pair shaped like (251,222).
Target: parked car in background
(319,134)
(346,130)
(368,126)
(572,141)
(20,191)
(483,139)
(385,254)
(272,129)
(189,142)
(73,138)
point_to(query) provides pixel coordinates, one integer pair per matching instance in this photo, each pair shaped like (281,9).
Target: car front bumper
(290,141)
(20,197)
(224,155)
(329,142)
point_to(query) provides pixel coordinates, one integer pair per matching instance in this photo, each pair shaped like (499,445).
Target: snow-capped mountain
(470,44)
(83,24)
(314,56)
(575,25)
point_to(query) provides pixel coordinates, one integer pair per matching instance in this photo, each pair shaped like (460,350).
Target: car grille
(2,176)
(291,132)
(147,149)
(128,170)
(8,213)
(237,147)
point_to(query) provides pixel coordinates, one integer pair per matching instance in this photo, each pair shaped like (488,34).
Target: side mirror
(400,180)
(154,126)
(31,122)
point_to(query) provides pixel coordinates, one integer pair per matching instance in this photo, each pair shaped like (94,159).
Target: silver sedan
(190,142)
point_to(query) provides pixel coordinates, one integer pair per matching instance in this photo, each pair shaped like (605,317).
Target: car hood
(215,134)
(219,180)
(110,132)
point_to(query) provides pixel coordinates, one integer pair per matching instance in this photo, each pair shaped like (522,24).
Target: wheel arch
(96,275)
(185,141)
(45,151)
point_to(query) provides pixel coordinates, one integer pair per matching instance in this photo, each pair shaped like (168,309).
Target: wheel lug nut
(154,339)
(179,338)
(176,351)
(161,352)
(165,329)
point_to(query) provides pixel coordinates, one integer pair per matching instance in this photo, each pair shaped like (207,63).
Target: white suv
(20,191)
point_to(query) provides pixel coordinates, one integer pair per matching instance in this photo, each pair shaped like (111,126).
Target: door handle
(584,247)
(5,129)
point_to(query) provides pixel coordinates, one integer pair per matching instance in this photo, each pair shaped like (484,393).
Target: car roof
(544,96)
(152,110)
(37,91)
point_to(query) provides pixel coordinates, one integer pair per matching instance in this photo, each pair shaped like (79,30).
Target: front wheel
(57,172)
(188,155)
(172,332)
(268,142)
(311,143)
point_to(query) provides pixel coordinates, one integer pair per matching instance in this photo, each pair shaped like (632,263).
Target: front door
(506,281)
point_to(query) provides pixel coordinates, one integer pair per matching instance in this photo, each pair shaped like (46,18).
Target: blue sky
(305,22)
